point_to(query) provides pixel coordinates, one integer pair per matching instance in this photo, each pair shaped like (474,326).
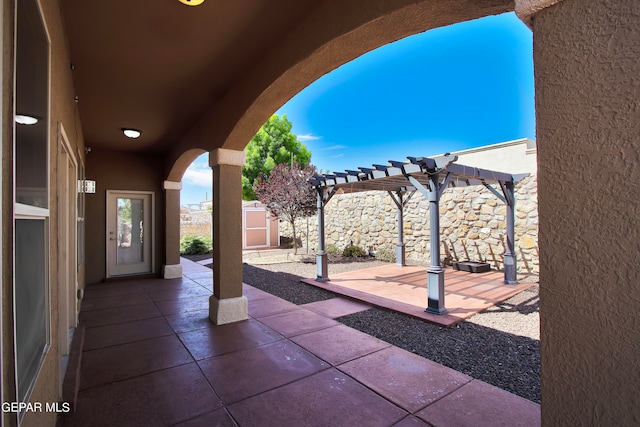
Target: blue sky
(448,89)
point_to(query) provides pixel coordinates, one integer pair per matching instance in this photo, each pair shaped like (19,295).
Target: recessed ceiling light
(192,2)
(131,133)
(24,119)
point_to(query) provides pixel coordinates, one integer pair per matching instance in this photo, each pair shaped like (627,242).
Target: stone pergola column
(227,304)
(172,268)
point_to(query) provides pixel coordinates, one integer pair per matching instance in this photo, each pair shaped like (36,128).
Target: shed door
(256,228)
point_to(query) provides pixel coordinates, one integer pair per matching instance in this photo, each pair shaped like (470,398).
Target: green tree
(274,144)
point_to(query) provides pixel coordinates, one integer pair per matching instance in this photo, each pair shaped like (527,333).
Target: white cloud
(308,137)
(198,174)
(334,147)
(336,156)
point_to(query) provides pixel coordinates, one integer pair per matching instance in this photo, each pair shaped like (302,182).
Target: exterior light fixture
(131,133)
(192,2)
(25,119)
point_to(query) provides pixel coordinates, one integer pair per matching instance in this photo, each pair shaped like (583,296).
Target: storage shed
(259,227)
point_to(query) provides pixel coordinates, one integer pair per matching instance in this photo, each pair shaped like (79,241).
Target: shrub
(385,254)
(195,245)
(354,251)
(331,249)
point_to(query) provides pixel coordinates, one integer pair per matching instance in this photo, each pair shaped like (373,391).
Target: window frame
(22,211)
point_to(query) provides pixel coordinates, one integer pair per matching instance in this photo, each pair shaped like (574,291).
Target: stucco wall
(518,156)
(120,171)
(587,76)
(63,111)
(6,195)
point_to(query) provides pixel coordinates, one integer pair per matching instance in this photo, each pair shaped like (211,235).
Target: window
(31,223)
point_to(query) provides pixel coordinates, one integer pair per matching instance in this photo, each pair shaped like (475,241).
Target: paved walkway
(151,357)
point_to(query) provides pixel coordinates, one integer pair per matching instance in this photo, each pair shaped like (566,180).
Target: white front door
(129,232)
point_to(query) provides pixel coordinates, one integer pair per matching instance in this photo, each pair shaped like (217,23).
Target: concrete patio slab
(404,378)
(337,307)
(310,370)
(478,404)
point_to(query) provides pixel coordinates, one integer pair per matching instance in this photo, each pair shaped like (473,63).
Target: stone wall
(196,222)
(472,224)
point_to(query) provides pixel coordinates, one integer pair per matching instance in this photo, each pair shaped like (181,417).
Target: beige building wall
(113,170)
(587,78)
(63,113)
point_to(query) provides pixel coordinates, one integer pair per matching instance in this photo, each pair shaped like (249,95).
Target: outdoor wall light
(25,119)
(192,2)
(131,133)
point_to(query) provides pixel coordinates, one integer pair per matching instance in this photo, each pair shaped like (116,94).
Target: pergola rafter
(430,177)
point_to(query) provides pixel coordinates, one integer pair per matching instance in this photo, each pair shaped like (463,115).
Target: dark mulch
(196,258)
(283,285)
(508,361)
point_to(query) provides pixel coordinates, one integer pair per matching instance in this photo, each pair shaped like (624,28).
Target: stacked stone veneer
(196,222)
(472,224)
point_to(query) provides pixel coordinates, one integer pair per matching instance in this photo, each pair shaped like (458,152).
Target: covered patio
(151,356)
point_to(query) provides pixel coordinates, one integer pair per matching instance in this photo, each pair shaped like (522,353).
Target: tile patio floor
(151,357)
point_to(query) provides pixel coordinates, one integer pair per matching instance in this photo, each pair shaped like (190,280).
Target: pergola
(430,177)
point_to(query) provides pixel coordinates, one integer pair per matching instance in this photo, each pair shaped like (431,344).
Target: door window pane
(130,231)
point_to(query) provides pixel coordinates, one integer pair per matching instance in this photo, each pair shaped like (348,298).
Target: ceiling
(159,66)
(190,77)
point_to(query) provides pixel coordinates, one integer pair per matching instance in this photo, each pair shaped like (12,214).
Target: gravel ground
(499,346)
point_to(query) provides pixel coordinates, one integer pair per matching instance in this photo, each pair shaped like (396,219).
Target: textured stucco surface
(587,76)
(114,170)
(63,113)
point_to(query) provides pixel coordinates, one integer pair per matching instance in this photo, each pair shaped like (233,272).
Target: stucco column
(227,304)
(587,77)
(526,9)
(172,268)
